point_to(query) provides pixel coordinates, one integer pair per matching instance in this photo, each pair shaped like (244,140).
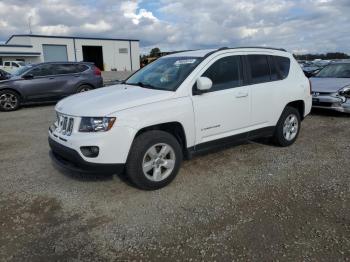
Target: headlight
(96,124)
(345,92)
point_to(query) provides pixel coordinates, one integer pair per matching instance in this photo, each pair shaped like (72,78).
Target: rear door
(265,74)
(225,110)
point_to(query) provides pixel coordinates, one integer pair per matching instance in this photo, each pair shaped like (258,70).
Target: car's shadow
(327,112)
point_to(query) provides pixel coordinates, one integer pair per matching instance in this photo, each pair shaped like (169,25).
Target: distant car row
(46,82)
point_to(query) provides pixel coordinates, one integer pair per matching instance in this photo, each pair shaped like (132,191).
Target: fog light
(90,151)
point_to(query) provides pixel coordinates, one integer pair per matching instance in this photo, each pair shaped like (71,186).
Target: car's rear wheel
(154,160)
(84,88)
(288,127)
(9,100)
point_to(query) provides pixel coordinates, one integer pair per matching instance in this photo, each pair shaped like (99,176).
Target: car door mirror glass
(204,84)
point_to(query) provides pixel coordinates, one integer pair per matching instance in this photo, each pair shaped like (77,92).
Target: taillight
(97,71)
(310,87)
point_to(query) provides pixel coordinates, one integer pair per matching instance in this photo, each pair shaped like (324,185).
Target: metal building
(107,53)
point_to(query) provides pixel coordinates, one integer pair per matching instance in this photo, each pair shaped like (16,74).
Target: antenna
(30,24)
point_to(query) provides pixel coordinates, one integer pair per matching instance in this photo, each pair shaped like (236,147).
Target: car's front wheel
(154,160)
(9,100)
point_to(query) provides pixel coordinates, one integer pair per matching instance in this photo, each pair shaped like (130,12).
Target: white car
(11,66)
(179,106)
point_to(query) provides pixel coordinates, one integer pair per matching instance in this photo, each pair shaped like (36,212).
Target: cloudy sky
(297,25)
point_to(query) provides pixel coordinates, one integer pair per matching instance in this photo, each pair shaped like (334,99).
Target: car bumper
(69,159)
(332,102)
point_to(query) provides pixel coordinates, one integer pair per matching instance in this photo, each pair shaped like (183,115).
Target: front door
(42,85)
(224,111)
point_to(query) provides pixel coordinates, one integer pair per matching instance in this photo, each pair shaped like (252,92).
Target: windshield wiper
(144,85)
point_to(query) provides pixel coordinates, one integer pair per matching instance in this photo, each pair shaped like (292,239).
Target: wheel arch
(300,106)
(174,128)
(13,90)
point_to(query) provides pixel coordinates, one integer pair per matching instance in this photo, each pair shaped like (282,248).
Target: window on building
(123,50)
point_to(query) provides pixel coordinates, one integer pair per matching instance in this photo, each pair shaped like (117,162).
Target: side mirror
(204,84)
(28,76)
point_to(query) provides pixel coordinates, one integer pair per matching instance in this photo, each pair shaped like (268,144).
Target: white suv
(178,106)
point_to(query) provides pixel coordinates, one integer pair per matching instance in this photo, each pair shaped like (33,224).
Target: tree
(154,52)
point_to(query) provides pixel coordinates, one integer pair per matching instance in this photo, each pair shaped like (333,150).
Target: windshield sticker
(184,62)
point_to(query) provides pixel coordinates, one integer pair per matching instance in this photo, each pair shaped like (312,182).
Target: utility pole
(30,24)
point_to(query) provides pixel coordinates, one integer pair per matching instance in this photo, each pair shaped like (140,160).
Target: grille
(64,124)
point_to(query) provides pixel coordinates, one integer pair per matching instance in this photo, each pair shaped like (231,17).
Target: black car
(4,75)
(47,82)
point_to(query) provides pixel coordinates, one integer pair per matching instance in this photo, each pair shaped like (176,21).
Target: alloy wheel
(8,101)
(158,162)
(290,127)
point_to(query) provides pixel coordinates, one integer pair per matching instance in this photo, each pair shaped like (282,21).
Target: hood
(104,101)
(328,85)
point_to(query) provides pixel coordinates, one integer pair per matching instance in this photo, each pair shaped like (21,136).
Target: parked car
(47,82)
(4,75)
(179,106)
(331,87)
(11,66)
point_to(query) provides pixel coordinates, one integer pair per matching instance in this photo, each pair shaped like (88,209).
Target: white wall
(110,48)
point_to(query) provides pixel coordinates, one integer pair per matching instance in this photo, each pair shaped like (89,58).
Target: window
(64,69)
(7,64)
(42,70)
(282,66)
(123,50)
(225,73)
(15,64)
(260,71)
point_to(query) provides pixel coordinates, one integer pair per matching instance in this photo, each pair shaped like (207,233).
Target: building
(107,53)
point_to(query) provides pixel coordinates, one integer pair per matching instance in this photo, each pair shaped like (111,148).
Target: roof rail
(240,47)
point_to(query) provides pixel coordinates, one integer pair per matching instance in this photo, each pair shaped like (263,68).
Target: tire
(84,88)
(288,127)
(140,156)
(9,100)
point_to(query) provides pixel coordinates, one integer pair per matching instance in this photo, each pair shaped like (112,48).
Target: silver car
(331,87)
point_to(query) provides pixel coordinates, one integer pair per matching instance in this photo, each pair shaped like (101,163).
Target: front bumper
(331,101)
(69,159)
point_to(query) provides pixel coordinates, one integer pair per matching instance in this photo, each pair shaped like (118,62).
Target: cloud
(297,25)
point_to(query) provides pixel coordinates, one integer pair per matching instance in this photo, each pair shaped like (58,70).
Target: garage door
(55,53)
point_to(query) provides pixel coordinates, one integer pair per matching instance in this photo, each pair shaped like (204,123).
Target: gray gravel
(250,202)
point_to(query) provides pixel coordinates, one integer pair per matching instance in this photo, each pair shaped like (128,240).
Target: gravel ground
(253,202)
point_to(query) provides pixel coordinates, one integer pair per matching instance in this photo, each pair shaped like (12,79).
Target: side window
(81,68)
(15,64)
(225,73)
(42,70)
(7,64)
(259,69)
(282,66)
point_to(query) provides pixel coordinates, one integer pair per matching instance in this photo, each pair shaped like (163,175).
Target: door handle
(242,94)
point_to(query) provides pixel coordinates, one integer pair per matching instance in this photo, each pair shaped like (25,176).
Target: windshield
(21,70)
(166,73)
(335,71)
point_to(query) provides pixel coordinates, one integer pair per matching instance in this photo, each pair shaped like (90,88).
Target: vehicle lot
(250,202)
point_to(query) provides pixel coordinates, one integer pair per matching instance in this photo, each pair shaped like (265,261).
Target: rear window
(281,66)
(259,69)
